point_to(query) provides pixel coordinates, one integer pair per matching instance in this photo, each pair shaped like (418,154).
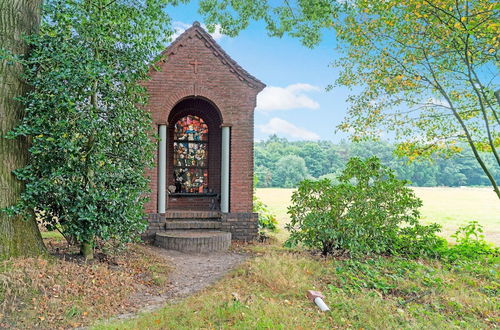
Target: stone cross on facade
(195,63)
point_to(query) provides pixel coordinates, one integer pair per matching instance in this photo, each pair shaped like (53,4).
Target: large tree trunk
(17,236)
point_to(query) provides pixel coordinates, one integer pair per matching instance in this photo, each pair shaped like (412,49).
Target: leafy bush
(368,211)
(419,241)
(470,244)
(267,220)
(84,116)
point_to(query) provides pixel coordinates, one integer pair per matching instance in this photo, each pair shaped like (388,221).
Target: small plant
(368,211)
(470,234)
(420,241)
(267,220)
(470,243)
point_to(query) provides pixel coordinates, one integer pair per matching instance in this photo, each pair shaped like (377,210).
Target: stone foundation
(242,226)
(156,223)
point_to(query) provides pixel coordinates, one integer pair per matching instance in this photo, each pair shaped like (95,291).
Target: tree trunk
(87,250)
(17,236)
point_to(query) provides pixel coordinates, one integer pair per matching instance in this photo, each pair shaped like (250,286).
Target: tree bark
(87,250)
(18,236)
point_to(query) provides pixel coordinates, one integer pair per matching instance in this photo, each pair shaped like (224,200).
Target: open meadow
(450,207)
(267,290)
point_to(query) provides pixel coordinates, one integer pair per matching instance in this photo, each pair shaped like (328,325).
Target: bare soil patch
(191,272)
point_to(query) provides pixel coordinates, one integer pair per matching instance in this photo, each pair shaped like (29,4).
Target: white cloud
(284,98)
(180,27)
(280,126)
(439,102)
(217,32)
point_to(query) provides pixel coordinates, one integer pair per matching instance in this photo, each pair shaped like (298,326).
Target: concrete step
(194,240)
(191,224)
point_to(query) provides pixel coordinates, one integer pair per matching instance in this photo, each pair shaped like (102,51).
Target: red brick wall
(227,89)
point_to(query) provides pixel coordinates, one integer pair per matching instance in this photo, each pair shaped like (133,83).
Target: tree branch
(466,131)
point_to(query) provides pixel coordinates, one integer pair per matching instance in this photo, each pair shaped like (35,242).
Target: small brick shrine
(202,104)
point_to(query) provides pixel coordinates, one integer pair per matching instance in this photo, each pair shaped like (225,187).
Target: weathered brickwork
(194,241)
(156,223)
(242,226)
(231,92)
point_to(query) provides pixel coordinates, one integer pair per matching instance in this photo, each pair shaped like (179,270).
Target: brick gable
(224,84)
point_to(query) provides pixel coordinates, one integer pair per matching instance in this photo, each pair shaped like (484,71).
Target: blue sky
(295,104)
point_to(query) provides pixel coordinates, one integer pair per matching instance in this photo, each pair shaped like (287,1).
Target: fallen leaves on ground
(65,291)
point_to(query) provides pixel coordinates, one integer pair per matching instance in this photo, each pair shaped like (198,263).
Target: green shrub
(89,133)
(368,211)
(470,244)
(419,241)
(267,220)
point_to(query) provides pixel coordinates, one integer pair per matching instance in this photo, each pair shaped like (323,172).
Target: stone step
(194,240)
(193,219)
(191,224)
(182,214)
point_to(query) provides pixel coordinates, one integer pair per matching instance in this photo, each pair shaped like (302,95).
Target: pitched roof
(234,67)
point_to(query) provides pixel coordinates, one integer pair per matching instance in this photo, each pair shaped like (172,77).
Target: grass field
(268,291)
(450,207)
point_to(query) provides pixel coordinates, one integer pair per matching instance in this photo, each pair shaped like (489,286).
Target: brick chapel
(202,105)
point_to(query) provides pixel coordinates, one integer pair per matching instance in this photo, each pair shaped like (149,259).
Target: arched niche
(194,155)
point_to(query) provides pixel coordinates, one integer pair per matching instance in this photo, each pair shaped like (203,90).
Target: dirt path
(191,273)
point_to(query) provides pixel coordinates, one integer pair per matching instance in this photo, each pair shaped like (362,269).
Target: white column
(162,169)
(224,168)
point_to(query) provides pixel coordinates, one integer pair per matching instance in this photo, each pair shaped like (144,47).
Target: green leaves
(267,220)
(427,70)
(90,142)
(471,244)
(368,211)
(305,20)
